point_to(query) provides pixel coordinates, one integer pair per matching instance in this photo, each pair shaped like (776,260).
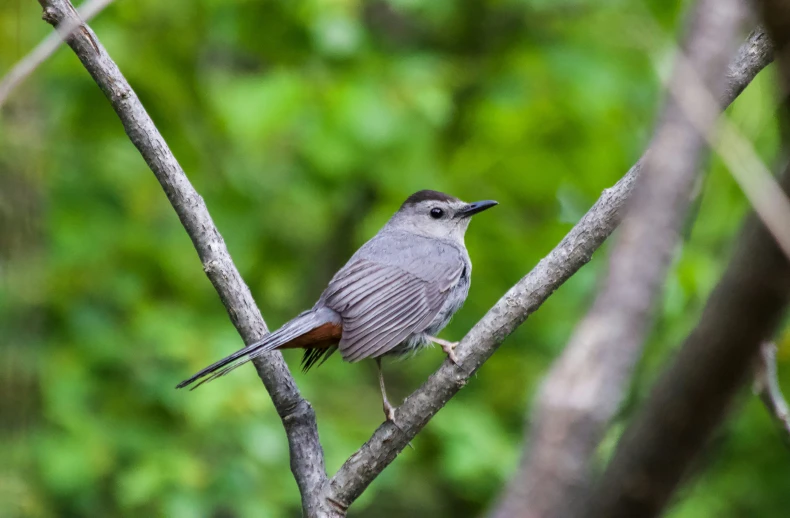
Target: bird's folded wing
(382,304)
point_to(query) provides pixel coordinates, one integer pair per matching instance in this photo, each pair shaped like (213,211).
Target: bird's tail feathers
(293,329)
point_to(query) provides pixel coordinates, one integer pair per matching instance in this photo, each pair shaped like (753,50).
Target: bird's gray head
(438,215)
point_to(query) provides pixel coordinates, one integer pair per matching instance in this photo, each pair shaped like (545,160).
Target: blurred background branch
(766,386)
(26,66)
(738,154)
(584,389)
(693,395)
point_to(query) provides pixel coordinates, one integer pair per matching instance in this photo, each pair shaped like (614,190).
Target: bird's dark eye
(437,213)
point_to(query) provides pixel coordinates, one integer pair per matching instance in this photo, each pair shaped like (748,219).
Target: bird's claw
(389,412)
(449,349)
(447,346)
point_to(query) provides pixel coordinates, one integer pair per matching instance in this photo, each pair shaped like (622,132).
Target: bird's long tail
(317,328)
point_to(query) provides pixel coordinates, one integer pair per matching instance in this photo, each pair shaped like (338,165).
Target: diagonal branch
(307,458)
(516,305)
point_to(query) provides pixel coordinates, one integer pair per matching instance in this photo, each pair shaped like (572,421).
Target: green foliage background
(304,124)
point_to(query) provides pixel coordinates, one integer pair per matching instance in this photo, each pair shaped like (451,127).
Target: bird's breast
(455,300)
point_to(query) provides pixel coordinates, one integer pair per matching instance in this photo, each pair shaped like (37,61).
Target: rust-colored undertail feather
(316,329)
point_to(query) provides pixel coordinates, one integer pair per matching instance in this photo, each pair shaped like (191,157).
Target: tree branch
(754,55)
(766,387)
(45,49)
(307,458)
(516,305)
(694,393)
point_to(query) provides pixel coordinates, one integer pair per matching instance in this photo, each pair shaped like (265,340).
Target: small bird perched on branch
(392,297)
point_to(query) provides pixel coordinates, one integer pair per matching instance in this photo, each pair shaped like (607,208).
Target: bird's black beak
(474,208)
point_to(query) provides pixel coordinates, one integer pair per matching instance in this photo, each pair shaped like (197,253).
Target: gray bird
(392,297)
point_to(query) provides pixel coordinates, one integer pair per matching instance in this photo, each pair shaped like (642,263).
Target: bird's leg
(447,347)
(389,410)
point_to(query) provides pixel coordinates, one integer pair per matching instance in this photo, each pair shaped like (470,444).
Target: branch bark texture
(585,387)
(693,395)
(307,459)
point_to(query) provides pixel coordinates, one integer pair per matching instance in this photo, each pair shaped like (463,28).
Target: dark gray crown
(428,195)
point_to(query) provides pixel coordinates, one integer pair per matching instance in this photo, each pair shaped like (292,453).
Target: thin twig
(307,458)
(46,48)
(766,387)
